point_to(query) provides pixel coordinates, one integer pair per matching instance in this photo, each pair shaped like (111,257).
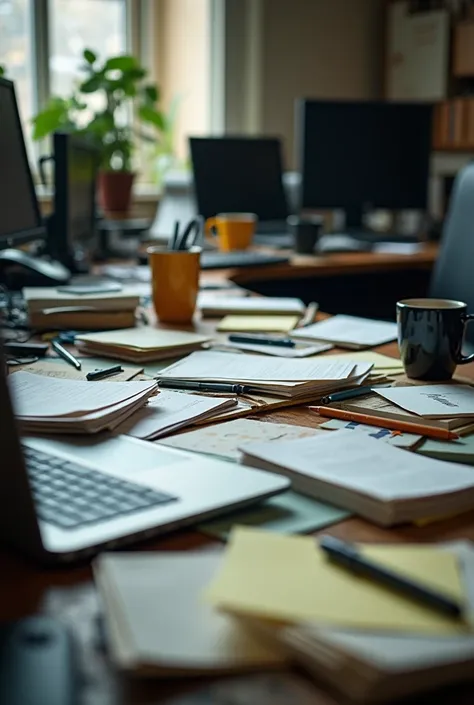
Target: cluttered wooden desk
(69,593)
(357,283)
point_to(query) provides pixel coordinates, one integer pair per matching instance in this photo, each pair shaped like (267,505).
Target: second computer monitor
(75,169)
(361,155)
(239,175)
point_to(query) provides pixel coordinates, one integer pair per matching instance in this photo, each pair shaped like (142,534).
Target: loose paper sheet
(257,324)
(362,332)
(435,401)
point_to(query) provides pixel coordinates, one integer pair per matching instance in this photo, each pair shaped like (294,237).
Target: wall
(182,64)
(317,48)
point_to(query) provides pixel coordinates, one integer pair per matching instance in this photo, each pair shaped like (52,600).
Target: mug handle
(209,226)
(464,359)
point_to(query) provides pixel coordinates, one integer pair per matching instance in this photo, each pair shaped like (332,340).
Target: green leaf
(91,85)
(149,114)
(89,56)
(2,71)
(49,121)
(121,63)
(151,93)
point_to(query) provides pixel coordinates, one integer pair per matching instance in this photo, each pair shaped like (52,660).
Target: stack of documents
(158,623)
(287,378)
(379,404)
(369,642)
(55,309)
(171,411)
(254,306)
(140,345)
(49,405)
(349,332)
(373,479)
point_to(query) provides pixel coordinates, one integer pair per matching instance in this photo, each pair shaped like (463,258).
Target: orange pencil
(407,426)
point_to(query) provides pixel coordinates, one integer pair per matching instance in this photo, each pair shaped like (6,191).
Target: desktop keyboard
(239,258)
(70,496)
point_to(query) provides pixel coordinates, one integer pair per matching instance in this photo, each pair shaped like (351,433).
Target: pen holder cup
(175,283)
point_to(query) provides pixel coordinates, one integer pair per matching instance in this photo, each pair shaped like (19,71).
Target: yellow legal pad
(288,578)
(257,324)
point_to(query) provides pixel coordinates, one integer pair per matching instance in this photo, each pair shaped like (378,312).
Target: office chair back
(453,276)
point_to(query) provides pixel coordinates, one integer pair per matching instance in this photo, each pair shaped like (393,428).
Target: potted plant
(101,108)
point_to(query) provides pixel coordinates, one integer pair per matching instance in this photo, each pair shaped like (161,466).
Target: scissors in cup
(190,235)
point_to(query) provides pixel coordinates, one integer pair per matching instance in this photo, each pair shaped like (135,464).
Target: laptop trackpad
(119,453)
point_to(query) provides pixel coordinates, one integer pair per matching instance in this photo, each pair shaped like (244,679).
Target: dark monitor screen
(353,154)
(20,218)
(238,174)
(75,170)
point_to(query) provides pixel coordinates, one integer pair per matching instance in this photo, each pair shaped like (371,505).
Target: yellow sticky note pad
(288,578)
(257,324)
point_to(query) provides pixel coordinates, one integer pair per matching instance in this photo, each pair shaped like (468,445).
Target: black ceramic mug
(430,336)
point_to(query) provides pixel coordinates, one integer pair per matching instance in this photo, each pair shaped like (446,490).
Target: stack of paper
(349,332)
(255,306)
(158,624)
(379,405)
(438,401)
(171,411)
(49,405)
(351,470)
(286,378)
(257,324)
(141,345)
(367,641)
(55,309)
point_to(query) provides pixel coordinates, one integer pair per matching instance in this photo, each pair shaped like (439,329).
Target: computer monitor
(20,217)
(239,174)
(73,228)
(361,155)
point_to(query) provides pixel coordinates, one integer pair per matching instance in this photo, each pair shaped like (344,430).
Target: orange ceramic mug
(175,282)
(235,231)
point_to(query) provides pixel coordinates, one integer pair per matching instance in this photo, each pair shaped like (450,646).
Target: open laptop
(62,499)
(242,175)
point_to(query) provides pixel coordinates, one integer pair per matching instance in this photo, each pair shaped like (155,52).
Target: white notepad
(349,331)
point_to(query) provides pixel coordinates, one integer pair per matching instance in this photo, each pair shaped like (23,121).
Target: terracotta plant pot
(115,190)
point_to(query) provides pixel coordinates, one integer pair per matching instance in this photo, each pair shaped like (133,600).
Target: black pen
(192,386)
(105,372)
(256,340)
(65,354)
(347,555)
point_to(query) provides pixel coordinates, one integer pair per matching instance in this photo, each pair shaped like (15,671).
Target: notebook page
(36,395)
(349,329)
(170,409)
(255,305)
(228,366)
(365,465)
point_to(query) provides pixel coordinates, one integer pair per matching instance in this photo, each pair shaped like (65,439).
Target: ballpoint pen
(346,394)
(195,386)
(103,373)
(66,355)
(348,556)
(257,340)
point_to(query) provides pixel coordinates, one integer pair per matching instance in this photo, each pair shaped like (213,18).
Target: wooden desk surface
(308,266)
(68,592)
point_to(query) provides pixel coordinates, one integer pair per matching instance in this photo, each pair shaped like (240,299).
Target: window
(16,50)
(41,42)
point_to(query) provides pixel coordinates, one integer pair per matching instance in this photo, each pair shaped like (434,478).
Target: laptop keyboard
(71,496)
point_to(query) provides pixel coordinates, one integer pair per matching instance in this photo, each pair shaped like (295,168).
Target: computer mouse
(38,663)
(19,269)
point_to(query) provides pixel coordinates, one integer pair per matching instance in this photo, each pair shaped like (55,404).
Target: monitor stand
(19,269)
